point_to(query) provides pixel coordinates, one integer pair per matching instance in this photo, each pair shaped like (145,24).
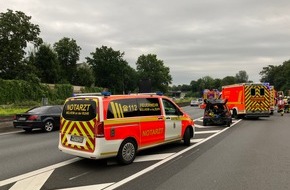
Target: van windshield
(79,110)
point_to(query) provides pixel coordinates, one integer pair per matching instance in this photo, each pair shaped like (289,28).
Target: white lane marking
(34,182)
(7,133)
(36,172)
(195,140)
(80,175)
(207,132)
(152,157)
(152,167)
(145,158)
(90,187)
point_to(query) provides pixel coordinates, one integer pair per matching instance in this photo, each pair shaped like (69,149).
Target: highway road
(251,154)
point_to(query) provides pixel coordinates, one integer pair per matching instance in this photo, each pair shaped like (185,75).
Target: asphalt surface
(7,126)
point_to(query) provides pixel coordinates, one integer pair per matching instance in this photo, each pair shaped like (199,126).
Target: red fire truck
(248,99)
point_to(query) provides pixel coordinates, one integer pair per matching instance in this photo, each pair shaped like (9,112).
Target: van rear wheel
(127,152)
(186,137)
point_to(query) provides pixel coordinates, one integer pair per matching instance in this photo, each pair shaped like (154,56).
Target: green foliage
(16,31)
(24,93)
(278,76)
(242,77)
(68,53)
(149,67)
(47,64)
(229,80)
(10,111)
(83,76)
(111,70)
(91,89)
(62,91)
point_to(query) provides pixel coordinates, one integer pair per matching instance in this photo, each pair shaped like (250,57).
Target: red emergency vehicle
(248,99)
(119,125)
(209,94)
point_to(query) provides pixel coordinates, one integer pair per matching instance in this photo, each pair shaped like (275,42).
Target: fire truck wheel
(235,114)
(127,152)
(186,137)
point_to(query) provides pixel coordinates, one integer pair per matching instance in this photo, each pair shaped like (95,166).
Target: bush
(21,92)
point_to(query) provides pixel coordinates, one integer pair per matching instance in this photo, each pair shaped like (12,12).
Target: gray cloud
(214,38)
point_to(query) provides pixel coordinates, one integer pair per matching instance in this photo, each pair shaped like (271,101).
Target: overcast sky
(194,38)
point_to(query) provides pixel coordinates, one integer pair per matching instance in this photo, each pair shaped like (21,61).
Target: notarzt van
(98,127)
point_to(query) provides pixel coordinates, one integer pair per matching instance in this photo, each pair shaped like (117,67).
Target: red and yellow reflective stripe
(78,128)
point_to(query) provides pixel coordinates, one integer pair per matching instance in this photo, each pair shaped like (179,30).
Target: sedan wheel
(48,126)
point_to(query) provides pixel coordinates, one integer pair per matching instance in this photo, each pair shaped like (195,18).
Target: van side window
(122,108)
(170,108)
(149,106)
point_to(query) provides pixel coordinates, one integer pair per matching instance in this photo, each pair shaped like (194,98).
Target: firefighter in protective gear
(281,105)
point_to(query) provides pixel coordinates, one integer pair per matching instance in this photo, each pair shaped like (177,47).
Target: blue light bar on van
(159,93)
(106,93)
(93,94)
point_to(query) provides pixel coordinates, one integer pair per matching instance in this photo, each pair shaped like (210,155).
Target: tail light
(33,118)
(99,129)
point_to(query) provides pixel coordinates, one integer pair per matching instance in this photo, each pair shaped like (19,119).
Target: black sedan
(46,118)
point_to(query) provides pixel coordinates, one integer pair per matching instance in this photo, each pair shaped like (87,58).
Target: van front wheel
(127,152)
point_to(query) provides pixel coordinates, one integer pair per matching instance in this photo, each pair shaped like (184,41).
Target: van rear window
(79,110)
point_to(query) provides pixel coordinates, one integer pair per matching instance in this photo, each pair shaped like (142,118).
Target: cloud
(214,38)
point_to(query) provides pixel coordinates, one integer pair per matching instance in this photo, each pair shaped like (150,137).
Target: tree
(229,80)
(206,82)
(16,31)
(84,76)
(111,70)
(242,77)
(28,65)
(150,68)
(68,53)
(47,64)
(278,76)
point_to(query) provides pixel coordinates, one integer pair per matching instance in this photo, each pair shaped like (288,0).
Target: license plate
(21,118)
(77,139)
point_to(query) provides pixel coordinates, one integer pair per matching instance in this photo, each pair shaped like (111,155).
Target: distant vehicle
(209,94)
(46,118)
(217,112)
(248,99)
(194,102)
(200,100)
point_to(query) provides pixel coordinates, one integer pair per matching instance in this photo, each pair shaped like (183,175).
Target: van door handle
(168,118)
(160,118)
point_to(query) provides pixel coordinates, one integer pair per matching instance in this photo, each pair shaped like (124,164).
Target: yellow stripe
(67,131)
(121,111)
(88,129)
(114,109)
(82,132)
(118,110)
